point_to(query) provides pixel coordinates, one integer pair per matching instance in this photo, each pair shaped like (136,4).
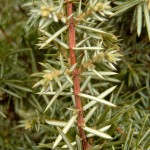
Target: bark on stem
(76,73)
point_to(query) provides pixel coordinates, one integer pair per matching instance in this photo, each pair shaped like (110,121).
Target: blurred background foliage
(22,117)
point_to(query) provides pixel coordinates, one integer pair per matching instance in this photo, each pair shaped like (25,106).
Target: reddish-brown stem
(9,40)
(76,73)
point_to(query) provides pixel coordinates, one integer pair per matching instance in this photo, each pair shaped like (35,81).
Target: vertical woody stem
(76,73)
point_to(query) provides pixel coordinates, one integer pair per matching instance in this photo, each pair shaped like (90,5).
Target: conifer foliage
(76,76)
